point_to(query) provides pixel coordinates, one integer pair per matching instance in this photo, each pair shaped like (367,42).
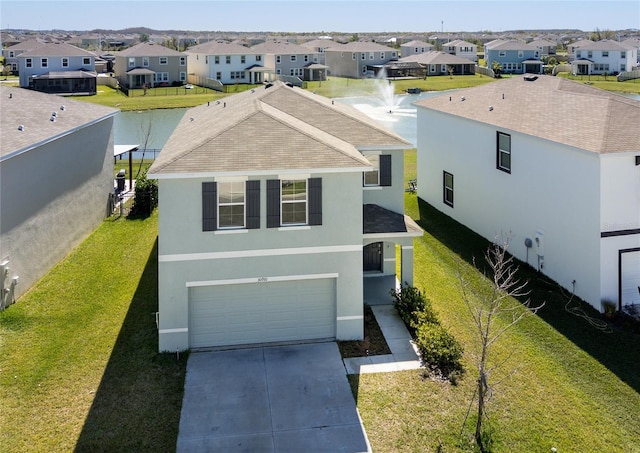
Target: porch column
(406,265)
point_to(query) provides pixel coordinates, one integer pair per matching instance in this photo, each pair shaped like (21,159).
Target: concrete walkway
(404,355)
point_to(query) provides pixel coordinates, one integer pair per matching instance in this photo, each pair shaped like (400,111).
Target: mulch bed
(373,343)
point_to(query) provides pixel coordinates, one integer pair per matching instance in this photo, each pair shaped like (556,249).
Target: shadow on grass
(137,405)
(618,348)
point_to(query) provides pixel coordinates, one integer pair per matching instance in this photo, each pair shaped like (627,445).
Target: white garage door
(630,273)
(261,312)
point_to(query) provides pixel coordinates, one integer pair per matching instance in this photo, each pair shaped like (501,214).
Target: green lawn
(572,386)
(79,361)
(608,83)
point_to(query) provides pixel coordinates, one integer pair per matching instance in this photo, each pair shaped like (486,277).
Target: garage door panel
(261,312)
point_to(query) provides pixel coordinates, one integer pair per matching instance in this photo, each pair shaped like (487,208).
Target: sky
(345,16)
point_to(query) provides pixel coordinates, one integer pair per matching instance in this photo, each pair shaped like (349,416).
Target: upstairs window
(258,57)
(145,61)
(65,62)
(294,57)
(243,59)
(132,62)
(86,61)
(28,62)
(183,61)
(230,205)
(216,59)
(227,59)
(447,188)
(623,54)
(278,59)
(605,53)
(503,152)
(163,60)
(293,202)
(380,175)
(44,62)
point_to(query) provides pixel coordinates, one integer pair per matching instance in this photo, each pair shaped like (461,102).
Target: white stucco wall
(552,188)
(282,251)
(620,207)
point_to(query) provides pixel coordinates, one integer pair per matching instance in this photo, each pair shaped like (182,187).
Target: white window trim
(165,59)
(244,205)
(306,203)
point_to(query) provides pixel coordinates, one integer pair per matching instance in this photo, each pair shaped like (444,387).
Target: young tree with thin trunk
(494,312)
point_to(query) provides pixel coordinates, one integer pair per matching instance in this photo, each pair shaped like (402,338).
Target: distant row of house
(63,68)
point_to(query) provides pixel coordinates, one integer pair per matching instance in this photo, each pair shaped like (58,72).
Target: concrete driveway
(270,399)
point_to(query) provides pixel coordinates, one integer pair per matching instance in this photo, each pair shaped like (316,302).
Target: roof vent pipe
(21,127)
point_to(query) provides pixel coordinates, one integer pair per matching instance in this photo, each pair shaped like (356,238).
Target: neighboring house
(227,63)
(633,43)
(319,46)
(58,68)
(358,59)
(56,162)
(566,193)
(603,57)
(545,46)
(280,213)
(462,49)
(415,47)
(287,59)
(11,53)
(441,63)
(514,57)
(151,65)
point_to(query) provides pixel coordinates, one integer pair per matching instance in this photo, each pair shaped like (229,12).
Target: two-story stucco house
(11,53)
(545,46)
(58,68)
(318,47)
(280,212)
(415,47)
(151,65)
(358,59)
(567,193)
(604,57)
(287,59)
(228,63)
(513,56)
(462,49)
(56,167)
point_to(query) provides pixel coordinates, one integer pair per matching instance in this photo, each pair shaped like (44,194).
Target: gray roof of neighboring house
(149,49)
(416,44)
(434,57)
(281,48)
(319,44)
(512,44)
(29,44)
(276,128)
(364,46)
(33,110)
(551,108)
(57,50)
(458,43)
(221,48)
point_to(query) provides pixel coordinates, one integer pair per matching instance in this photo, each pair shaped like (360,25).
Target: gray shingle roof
(378,220)
(280,47)
(57,50)
(221,48)
(551,108)
(33,110)
(436,58)
(149,49)
(271,129)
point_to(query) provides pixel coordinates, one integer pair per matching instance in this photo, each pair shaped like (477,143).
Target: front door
(372,257)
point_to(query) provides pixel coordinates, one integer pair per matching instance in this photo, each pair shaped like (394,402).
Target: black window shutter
(209,206)
(315,201)
(385,169)
(253,204)
(273,203)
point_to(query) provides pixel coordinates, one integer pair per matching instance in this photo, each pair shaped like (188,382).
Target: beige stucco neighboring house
(151,65)
(11,53)
(358,59)
(291,60)
(280,215)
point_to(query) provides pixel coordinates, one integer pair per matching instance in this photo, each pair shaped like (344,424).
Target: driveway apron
(269,399)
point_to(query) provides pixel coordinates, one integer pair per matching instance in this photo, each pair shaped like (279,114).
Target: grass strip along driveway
(79,361)
(567,384)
